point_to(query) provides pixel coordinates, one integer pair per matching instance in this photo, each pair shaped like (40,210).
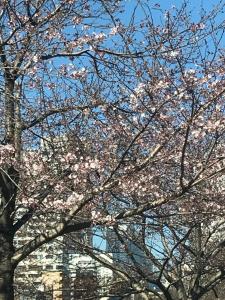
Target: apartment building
(61,272)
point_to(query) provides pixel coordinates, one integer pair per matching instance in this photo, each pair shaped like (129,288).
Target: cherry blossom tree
(104,120)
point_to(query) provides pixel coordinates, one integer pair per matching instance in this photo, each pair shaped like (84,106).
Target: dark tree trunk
(6,267)
(8,188)
(9,178)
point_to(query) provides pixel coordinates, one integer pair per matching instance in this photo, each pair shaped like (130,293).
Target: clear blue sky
(194,5)
(166,4)
(207,4)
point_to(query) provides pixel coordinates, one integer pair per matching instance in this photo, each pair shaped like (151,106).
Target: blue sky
(194,5)
(166,4)
(207,4)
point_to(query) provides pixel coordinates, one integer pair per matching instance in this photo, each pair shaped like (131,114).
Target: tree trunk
(9,109)
(9,178)
(6,267)
(8,188)
(6,254)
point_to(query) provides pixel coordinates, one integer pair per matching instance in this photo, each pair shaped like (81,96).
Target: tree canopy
(106,119)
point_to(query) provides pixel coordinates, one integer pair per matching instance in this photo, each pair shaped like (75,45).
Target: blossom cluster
(7,157)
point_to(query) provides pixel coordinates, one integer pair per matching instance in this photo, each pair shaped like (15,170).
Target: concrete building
(60,270)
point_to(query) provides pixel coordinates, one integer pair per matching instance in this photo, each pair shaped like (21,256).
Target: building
(124,249)
(128,256)
(89,277)
(60,270)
